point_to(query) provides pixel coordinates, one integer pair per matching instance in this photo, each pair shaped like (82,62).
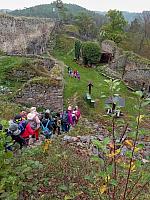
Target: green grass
(73,86)
(64,51)
(7,64)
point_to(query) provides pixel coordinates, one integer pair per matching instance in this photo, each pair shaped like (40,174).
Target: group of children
(73,73)
(29,125)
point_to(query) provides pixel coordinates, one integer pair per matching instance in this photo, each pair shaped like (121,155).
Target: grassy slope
(73,86)
(7,63)
(64,167)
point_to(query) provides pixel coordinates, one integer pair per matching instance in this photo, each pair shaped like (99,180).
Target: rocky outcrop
(24,35)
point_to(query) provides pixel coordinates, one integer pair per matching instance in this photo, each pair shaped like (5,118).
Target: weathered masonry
(24,35)
(126,65)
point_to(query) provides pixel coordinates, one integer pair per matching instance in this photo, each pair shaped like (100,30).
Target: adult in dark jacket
(47,122)
(15,133)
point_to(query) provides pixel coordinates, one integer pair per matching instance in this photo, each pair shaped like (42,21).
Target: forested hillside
(47,11)
(129,16)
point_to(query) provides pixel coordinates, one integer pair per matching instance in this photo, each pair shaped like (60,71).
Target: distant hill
(50,11)
(46,11)
(5,10)
(129,16)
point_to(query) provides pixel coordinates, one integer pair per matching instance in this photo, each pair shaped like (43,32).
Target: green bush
(9,188)
(90,53)
(17,173)
(1,53)
(77,49)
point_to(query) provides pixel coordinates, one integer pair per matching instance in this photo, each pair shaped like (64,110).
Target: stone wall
(24,35)
(44,91)
(109,46)
(43,96)
(31,68)
(136,70)
(130,67)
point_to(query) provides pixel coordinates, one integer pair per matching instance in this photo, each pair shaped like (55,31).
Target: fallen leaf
(107,178)
(136,149)
(114,154)
(129,142)
(133,168)
(67,197)
(103,189)
(140,118)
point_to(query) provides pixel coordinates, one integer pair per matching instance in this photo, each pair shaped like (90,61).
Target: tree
(90,53)
(87,26)
(59,4)
(77,49)
(114,29)
(135,26)
(145,31)
(63,13)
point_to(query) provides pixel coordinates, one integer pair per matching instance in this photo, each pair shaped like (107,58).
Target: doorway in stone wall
(106,57)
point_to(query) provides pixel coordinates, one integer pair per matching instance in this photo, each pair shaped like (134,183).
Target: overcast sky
(99,5)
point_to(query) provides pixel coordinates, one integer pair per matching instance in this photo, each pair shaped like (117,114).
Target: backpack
(65,117)
(45,130)
(22,125)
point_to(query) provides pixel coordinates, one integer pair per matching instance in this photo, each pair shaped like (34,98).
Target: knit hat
(47,111)
(18,118)
(30,116)
(69,108)
(14,128)
(33,109)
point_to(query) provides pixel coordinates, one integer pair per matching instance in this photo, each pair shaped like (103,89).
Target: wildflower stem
(140,190)
(134,145)
(114,159)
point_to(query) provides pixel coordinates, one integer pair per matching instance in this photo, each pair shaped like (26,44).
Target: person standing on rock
(90,85)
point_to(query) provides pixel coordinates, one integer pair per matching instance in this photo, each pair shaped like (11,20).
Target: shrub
(77,49)
(9,188)
(90,53)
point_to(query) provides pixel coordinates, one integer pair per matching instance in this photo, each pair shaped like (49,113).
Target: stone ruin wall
(137,73)
(43,96)
(109,46)
(133,69)
(21,35)
(28,37)
(29,71)
(44,92)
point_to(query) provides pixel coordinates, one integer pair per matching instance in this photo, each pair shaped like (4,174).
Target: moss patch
(64,44)
(71,28)
(137,58)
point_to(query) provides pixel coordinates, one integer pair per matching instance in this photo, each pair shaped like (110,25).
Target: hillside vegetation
(109,161)
(58,170)
(64,51)
(73,9)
